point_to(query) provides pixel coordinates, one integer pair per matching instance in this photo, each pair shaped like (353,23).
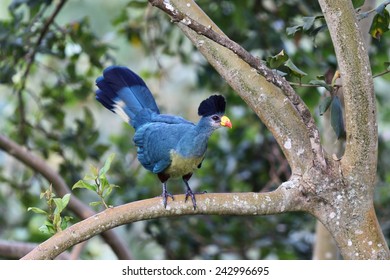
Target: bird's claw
(165,195)
(190,193)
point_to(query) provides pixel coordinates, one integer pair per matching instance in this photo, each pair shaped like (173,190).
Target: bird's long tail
(126,94)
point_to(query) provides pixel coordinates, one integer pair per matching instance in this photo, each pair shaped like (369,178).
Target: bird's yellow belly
(181,166)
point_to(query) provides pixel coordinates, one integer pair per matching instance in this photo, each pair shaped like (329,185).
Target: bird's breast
(181,166)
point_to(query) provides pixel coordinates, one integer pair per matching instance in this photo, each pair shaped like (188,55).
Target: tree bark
(355,228)
(325,247)
(360,109)
(245,204)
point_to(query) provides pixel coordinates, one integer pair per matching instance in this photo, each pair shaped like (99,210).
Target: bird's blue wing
(169,119)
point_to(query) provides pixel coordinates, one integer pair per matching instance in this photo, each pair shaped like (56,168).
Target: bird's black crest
(212,105)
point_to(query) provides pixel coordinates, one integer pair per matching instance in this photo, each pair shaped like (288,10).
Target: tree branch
(199,28)
(61,188)
(30,57)
(16,250)
(286,198)
(32,53)
(360,158)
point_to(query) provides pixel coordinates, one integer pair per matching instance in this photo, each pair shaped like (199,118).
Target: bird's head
(213,110)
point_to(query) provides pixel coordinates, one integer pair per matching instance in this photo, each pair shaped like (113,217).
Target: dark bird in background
(168,145)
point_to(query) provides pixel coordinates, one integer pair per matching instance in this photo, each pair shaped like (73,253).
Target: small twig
(381,73)
(365,14)
(100,192)
(30,57)
(335,86)
(304,85)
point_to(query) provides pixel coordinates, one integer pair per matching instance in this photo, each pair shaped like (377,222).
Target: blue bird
(167,145)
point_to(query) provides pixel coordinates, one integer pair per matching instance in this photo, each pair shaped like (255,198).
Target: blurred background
(48,106)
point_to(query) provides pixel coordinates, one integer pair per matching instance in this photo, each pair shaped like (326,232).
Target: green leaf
(308,23)
(59,205)
(65,221)
(293,29)
(318,29)
(103,183)
(6,74)
(47,228)
(56,218)
(95,203)
(81,184)
(357,3)
(65,199)
(294,69)
(336,118)
(380,24)
(280,73)
(277,60)
(321,83)
(107,165)
(109,189)
(324,105)
(89,177)
(37,210)
(94,172)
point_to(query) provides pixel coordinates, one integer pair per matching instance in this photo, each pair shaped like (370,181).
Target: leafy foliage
(380,24)
(100,184)
(54,221)
(282,58)
(308,26)
(324,105)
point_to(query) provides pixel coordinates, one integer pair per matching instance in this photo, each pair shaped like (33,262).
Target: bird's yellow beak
(226,122)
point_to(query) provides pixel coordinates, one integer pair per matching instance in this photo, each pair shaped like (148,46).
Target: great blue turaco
(169,146)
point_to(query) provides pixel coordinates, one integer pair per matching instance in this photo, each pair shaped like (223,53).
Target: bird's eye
(215,118)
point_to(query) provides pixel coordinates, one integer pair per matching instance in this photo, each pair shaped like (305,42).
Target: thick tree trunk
(325,247)
(351,217)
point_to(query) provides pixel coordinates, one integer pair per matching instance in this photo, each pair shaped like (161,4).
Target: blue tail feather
(125,93)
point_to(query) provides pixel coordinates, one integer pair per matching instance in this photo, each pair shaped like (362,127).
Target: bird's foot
(190,193)
(165,195)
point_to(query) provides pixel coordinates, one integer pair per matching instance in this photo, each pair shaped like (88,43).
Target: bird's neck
(203,127)
(194,143)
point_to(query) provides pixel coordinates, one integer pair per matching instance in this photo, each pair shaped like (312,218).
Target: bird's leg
(189,192)
(165,194)
(164,178)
